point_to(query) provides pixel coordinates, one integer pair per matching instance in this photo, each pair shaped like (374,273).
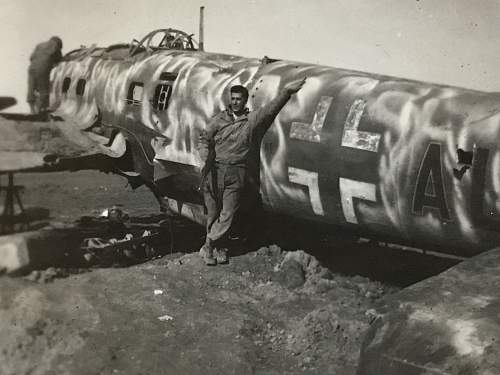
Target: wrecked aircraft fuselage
(372,153)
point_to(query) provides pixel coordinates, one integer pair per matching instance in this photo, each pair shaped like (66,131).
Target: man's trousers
(38,82)
(222,193)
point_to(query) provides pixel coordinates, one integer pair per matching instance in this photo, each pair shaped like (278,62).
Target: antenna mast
(201,44)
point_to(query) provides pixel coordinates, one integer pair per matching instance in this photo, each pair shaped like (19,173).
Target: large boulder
(447,324)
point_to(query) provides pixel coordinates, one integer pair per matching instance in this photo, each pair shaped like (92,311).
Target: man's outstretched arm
(266,115)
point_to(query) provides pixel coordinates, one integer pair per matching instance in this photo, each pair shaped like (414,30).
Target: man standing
(43,59)
(228,146)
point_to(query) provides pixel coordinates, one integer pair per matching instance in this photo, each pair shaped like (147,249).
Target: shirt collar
(232,116)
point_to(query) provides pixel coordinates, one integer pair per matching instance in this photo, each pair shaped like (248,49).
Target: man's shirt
(233,137)
(45,56)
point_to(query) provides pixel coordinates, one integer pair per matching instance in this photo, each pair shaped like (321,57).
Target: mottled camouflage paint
(347,149)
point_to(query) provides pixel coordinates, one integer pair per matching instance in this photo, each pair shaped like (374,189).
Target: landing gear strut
(9,217)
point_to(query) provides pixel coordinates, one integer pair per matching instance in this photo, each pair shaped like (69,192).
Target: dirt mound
(175,315)
(268,311)
(298,268)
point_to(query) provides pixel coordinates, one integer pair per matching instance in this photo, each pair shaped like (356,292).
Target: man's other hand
(295,86)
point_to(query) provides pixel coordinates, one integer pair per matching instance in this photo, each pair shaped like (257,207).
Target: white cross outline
(312,132)
(354,138)
(310,179)
(350,189)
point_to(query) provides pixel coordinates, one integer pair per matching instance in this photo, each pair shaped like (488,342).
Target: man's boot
(221,255)
(207,253)
(33,109)
(43,114)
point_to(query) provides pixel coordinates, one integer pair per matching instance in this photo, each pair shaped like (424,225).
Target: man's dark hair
(238,89)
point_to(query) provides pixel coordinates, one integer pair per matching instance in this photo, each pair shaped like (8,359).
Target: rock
(33,276)
(323,286)
(14,254)
(45,276)
(291,274)
(319,279)
(275,250)
(264,251)
(446,324)
(50,274)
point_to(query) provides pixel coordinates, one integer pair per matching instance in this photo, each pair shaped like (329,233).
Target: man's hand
(295,86)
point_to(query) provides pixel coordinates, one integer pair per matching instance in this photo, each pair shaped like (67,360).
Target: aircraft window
(167,76)
(65,85)
(156,39)
(80,87)
(135,91)
(162,96)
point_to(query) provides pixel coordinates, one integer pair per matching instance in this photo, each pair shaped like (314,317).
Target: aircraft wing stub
(6,102)
(29,145)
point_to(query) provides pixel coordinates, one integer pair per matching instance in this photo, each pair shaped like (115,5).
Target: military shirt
(45,56)
(233,136)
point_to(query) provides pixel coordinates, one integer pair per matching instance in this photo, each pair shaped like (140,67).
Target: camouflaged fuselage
(372,153)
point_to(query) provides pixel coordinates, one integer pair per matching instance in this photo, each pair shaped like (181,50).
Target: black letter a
(429,190)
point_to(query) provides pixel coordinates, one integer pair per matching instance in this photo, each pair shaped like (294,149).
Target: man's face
(238,102)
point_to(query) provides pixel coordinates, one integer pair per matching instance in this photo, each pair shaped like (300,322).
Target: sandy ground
(272,310)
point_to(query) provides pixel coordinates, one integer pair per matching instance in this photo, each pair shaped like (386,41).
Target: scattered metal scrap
(129,248)
(112,239)
(104,241)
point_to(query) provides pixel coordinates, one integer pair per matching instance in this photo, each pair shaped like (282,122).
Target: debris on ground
(52,273)
(267,311)
(271,310)
(120,242)
(165,318)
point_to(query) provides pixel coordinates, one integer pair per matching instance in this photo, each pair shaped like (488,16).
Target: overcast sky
(454,42)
